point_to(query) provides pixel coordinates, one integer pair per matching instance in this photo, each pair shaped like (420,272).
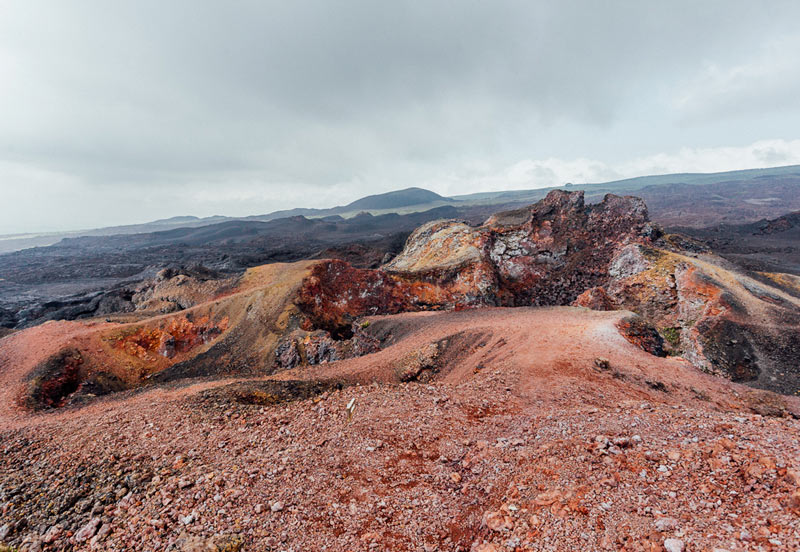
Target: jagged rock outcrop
(546,254)
(722,321)
(595,298)
(560,252)
(780,224)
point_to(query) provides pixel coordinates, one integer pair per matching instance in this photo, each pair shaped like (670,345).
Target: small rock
(547,498)
(52,534)
(497,521)
(673,545)
(87,531)
(601,441)
(793,477)
(370,537)
(277,506)
(102,533)
(602,363)
(31,544)
(666,524)
(5,530)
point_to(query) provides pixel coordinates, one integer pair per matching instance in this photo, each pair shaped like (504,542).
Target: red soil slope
(537,429)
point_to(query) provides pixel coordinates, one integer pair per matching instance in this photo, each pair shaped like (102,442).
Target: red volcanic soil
(19,353)
(485,430)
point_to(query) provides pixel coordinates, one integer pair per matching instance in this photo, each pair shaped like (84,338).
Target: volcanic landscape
(553,375)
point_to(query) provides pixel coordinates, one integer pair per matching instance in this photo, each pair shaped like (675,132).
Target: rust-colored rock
(636,330)
(546,254)
(595,298)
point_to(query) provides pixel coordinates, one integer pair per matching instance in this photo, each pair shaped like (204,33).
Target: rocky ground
(535,438)
(421,405)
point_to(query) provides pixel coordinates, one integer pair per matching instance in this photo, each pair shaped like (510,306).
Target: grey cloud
(355,97)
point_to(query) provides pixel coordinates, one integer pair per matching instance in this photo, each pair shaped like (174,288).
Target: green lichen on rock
(672,335)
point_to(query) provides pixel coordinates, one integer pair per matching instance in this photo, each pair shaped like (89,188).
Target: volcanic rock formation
(556,252)
(559,252)
(368,423)
(546,254)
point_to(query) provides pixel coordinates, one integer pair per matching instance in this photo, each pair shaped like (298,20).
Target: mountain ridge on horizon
(408,200)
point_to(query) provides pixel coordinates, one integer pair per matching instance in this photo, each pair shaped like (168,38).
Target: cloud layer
(127,111)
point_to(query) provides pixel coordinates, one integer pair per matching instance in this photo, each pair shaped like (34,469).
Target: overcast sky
(113,112)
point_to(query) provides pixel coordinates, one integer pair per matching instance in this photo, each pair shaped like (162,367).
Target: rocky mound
(557,252)
(560,251)
(780,224)
(546,254)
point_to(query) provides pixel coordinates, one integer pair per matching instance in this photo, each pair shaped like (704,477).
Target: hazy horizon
(180,215)
(128,112)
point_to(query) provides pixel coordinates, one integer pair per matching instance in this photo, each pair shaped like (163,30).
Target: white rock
(673,545)
(666,524)
(87,531)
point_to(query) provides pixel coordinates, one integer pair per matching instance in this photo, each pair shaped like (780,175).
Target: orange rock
(370,537)
(716,464)
(497,521)
(547,498)
(793,476)
(768,462)
(755,471)
(794,501)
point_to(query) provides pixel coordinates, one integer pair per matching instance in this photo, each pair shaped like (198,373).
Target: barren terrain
(563,376)
(522,440)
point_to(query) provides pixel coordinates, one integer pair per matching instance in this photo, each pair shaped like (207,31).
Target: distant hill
(689,199)
(400,198)
(685,199)
(409,200)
